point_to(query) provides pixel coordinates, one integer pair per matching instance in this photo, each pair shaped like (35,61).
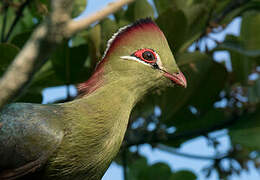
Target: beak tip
(177,78)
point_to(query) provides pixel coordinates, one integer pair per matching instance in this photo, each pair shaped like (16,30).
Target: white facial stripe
(135,59)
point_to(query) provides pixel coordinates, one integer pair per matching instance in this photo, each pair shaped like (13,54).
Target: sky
(198,146)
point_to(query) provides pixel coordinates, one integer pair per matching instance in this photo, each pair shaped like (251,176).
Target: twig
(18,16)
(124,159)
(193,156)
(5,9)
(76,26)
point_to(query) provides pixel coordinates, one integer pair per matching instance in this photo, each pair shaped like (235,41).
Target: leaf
(94,40)
(157,171)
(183,175)
(143,9)
(241,65)
(139,9)
(120,15)
(45,77)
(78,7)
(68,63)
(254,92)
(249,6)
(79,39)
(20,39)
(39,8)
(250,35)
(174,31)
(247,131)
(233,44)
(136,168)
(197,16)
(7,54)
(162,5)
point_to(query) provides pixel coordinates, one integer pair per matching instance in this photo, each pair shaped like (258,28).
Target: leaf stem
(6,7)
(193,156)
(17,18)
(124,159)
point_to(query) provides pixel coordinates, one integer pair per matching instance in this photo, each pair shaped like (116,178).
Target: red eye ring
(144,52)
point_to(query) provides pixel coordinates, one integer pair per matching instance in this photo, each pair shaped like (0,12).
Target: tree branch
(42,43)
(193,156)
(76,26)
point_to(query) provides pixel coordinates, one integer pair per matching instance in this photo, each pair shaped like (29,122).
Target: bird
(79,139)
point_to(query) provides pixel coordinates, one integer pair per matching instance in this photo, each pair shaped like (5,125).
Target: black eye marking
(155,66)
(148,55)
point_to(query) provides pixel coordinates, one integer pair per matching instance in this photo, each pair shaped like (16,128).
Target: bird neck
(100,119)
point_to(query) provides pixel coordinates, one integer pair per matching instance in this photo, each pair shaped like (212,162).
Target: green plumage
(79,139)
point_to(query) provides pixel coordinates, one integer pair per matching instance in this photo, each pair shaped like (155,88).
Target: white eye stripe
(135,59)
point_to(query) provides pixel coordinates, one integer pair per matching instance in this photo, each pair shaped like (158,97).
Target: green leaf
(139,9)
(45,77)
(68,63)
(78,7)
(254,92)
(120,15)
(247,131)
(39,8)
(197,16)
(20,39)
(79,39)
(232,43)
(250,35)
(249,6)
(94,41)
(174,31)
(136,168)
(7,54)
(143,9)
(183,175)
(156,171)
(162,5)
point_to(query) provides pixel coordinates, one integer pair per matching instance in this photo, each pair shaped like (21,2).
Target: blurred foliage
(219,96)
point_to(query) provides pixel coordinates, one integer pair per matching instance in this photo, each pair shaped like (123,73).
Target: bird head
(140,52)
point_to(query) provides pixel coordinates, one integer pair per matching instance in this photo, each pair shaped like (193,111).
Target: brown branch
(42,43)
(76,26)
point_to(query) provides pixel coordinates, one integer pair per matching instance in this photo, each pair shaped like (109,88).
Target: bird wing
(29,134)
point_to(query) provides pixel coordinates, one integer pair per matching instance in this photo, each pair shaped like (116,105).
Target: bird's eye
(146,55)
